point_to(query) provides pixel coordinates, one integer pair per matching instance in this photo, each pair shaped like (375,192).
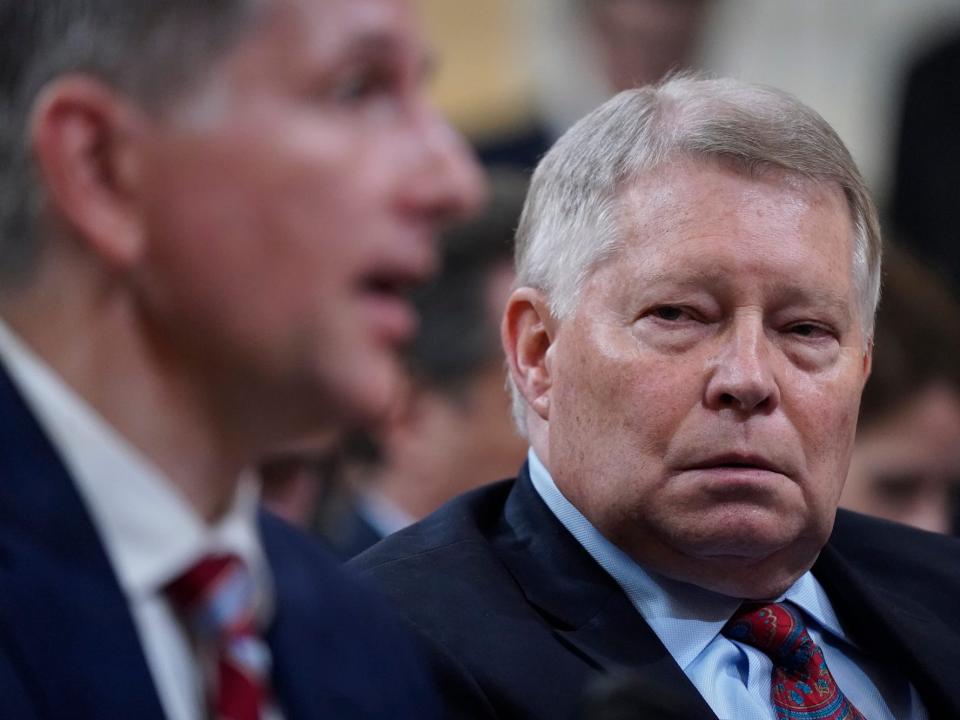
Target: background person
(210,213)
(906,458)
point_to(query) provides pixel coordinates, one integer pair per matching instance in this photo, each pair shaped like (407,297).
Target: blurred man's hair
(151,51)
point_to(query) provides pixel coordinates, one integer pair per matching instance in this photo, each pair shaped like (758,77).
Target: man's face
(289,203)
(906,464)
(705,390)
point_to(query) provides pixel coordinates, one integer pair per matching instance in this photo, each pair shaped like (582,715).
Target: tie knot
(775,628)
(215,596)
(801,686)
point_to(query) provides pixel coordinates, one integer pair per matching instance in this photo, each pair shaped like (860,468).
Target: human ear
(528,332)
(81,132)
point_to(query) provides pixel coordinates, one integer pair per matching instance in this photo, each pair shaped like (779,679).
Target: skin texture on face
(906,465)
(286,210)
(700,402)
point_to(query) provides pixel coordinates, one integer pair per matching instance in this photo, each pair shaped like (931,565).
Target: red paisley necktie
(802,686)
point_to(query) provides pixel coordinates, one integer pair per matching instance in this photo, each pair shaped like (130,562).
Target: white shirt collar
(149,530)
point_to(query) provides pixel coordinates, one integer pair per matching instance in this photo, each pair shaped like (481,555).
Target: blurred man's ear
(82,134)
(528,332)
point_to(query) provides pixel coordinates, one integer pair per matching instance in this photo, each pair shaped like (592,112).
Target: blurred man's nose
(447,183)
(742,377)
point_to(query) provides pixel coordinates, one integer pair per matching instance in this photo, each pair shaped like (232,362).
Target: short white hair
(570,221)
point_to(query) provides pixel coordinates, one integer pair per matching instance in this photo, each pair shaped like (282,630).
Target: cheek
(827,426)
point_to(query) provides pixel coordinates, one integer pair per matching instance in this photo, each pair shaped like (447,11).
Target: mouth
(737,462)
(387,297)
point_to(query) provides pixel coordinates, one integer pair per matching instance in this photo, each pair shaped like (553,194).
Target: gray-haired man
(209,214)
(699,265)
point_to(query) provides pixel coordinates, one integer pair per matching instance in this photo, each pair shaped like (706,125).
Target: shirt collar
(381,513)
(685,618)
(148,528)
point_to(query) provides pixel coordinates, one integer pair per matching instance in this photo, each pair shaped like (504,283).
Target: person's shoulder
(332,633)
(887,549)
(467,526)
(448,570)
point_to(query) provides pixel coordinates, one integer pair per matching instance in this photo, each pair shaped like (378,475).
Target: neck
(96,342)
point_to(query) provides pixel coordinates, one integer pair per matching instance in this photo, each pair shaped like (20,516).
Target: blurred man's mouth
(386,297)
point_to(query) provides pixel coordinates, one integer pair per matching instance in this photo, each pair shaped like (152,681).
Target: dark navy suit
(68,645)
(522,621)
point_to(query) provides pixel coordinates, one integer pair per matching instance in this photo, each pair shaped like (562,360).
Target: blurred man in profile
(698,268)
(450,431)
(211,213)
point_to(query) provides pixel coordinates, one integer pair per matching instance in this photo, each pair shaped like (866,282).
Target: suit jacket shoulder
(339,651)
(521,621)
(518,617)
(896,591)
(69,646)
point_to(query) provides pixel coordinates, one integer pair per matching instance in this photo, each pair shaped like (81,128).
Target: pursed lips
(737,461)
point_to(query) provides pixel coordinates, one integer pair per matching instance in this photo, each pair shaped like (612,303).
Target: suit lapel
(585,607)
(892,625)
(63,617)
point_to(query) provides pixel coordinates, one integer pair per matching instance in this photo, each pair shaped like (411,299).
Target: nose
(445,182)
(742,376)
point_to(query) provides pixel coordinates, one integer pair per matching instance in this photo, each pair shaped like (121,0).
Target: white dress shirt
(733,677)
(150,532)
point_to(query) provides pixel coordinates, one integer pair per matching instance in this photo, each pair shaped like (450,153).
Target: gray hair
(570,222)
(151,50)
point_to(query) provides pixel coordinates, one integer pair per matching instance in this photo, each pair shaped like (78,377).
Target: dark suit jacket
(521,619)
(68,645)
(351,534)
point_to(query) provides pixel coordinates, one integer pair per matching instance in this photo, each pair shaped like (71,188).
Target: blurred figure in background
(906,458)
(925,203)
(450,431)
(210,213)
(632,43)
(641,41)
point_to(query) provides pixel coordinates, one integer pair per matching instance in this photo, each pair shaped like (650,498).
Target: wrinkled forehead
(674,195)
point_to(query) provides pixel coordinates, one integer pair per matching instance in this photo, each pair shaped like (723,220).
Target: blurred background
(514,74)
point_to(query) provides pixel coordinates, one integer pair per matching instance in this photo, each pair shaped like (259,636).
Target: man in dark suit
(210,212)
(698,270)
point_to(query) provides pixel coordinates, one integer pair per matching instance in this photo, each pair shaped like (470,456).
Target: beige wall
(483,82)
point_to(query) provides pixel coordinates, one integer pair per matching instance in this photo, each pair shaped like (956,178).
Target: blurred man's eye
(361,84)
(897,489)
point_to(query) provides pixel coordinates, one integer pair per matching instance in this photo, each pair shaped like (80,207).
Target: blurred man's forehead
(330,28)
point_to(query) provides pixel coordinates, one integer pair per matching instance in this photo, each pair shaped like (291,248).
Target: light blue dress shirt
(733,678)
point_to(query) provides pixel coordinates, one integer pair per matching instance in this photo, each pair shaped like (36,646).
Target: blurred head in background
(641,41)
(906,458)
(225,203)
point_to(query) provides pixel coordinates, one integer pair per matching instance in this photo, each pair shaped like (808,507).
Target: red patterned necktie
(215,597)
(802,687)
